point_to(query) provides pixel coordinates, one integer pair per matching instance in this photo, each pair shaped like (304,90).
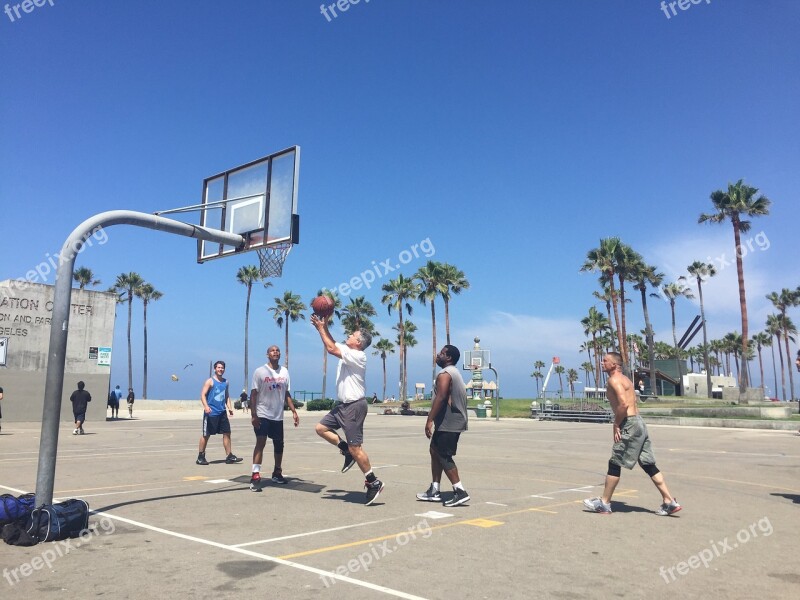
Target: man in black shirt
(80,399)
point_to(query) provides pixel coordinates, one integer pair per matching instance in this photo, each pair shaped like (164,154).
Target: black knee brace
(277,445)
(614,469)
(447,462)
(651,470)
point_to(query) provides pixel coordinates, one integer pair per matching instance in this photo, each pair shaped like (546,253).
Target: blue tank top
(216,396)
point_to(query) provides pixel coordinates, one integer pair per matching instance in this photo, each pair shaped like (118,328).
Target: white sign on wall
(3,350)
(104,357)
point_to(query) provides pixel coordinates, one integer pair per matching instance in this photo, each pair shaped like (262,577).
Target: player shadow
(347,496)
(793,497)
(295,484)
(621,507)
(242,569)
(170,497)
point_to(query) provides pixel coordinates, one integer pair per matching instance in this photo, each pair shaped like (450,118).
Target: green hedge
(320,404)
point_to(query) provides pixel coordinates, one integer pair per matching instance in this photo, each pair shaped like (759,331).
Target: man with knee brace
(449,414)
(270,391)
(631,441)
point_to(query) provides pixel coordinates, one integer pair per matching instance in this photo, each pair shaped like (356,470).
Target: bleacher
(553,411)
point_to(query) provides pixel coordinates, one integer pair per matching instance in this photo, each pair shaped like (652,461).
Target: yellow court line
(435,528)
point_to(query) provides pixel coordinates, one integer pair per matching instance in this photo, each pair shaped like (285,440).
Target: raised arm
(327,340)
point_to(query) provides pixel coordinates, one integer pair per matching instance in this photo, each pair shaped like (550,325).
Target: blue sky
(511,136)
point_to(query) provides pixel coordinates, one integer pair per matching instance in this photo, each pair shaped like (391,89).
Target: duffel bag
(13,507)
(59,521)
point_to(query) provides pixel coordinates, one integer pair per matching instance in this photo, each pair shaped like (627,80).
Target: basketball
(322,306)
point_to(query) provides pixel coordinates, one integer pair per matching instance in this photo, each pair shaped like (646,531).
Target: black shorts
(216,424)
(445,443)
(269,429)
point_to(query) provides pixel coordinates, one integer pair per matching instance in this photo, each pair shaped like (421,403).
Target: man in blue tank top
(216,402)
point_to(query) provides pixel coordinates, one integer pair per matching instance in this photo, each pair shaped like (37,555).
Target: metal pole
(59,327)
(497,397)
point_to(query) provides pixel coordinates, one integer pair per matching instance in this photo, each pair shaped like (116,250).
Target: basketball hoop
(271,259)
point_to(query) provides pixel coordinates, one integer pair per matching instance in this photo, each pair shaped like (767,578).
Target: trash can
(480,411)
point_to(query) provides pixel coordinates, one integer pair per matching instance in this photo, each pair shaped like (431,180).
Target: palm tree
(782,301)
(399,293)
(538,365)
(355,315)
(146,293)
(408,341)
(559,369)
(84,277)
(383,348)
(738,201)
(572,377)
(604,259)
(628,262)
(288,308)
(593,324)
(587,367)
(702,271)
(126,286)
(454,283)
(774,328)
(645,275)
(760,340)
(733,345)
(431,279)
(247,276)
(337,305)
(605,296)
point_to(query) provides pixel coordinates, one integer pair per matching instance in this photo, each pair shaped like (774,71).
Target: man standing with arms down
(216,400)
(270,390)
(449,414)
(80,399)
(631,441)
(350,414)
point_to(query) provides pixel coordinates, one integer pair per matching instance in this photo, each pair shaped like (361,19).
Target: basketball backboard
(257,200)
(476,360)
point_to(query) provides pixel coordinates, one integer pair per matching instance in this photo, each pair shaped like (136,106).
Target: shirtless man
(631,441)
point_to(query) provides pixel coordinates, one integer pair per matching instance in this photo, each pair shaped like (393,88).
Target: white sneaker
(74,432)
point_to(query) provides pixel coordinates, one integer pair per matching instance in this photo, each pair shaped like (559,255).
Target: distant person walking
(631,441)
(244,399)
(350,414)
(449,416)
(216,401)
(113,401)
(80,399)
(270,391)
(1,407)
(130,399)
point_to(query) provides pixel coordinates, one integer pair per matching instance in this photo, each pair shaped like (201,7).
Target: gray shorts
(634,445)
(349,417)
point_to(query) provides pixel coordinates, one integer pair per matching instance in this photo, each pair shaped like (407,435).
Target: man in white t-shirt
(349,415)
(268,394)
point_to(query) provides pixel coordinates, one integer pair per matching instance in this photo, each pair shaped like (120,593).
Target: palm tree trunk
(596,359)
(649,339)
(761,371)
(130,358)
(246,344)
(788,359)
(783,373)
(677,351)
(402,353)
(286,339)
(614,301)
(705,340)
(383,359)
(447,319)
(743,380)
(774,371)
(624,346)
(144,374)
(433,326)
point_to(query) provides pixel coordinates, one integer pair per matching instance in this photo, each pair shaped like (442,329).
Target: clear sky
(509,136)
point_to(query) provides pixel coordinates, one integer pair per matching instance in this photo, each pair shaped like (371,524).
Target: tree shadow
(169,497)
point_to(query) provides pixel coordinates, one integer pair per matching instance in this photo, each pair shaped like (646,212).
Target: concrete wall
(25,312)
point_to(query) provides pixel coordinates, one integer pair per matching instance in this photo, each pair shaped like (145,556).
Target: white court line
(272,559)
(498,504)
(297,535)
(543,497)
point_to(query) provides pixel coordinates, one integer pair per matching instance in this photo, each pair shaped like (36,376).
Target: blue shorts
(212,425)
(80,417)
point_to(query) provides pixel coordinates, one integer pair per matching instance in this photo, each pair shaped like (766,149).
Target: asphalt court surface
(165,526)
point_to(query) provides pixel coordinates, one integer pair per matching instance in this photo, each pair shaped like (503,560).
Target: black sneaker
(277,477)
(431,495)
(459,497)
(201,459)
(373,490)
(255,482)
(232,458)
(349,461)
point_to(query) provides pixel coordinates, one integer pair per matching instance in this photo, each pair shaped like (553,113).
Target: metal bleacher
(591,413)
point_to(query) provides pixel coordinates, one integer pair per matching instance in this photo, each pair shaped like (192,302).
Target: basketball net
(271,259)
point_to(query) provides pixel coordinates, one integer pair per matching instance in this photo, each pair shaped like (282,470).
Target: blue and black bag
(52,522)
(13,508)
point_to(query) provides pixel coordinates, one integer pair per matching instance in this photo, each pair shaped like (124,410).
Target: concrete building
(25,320)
